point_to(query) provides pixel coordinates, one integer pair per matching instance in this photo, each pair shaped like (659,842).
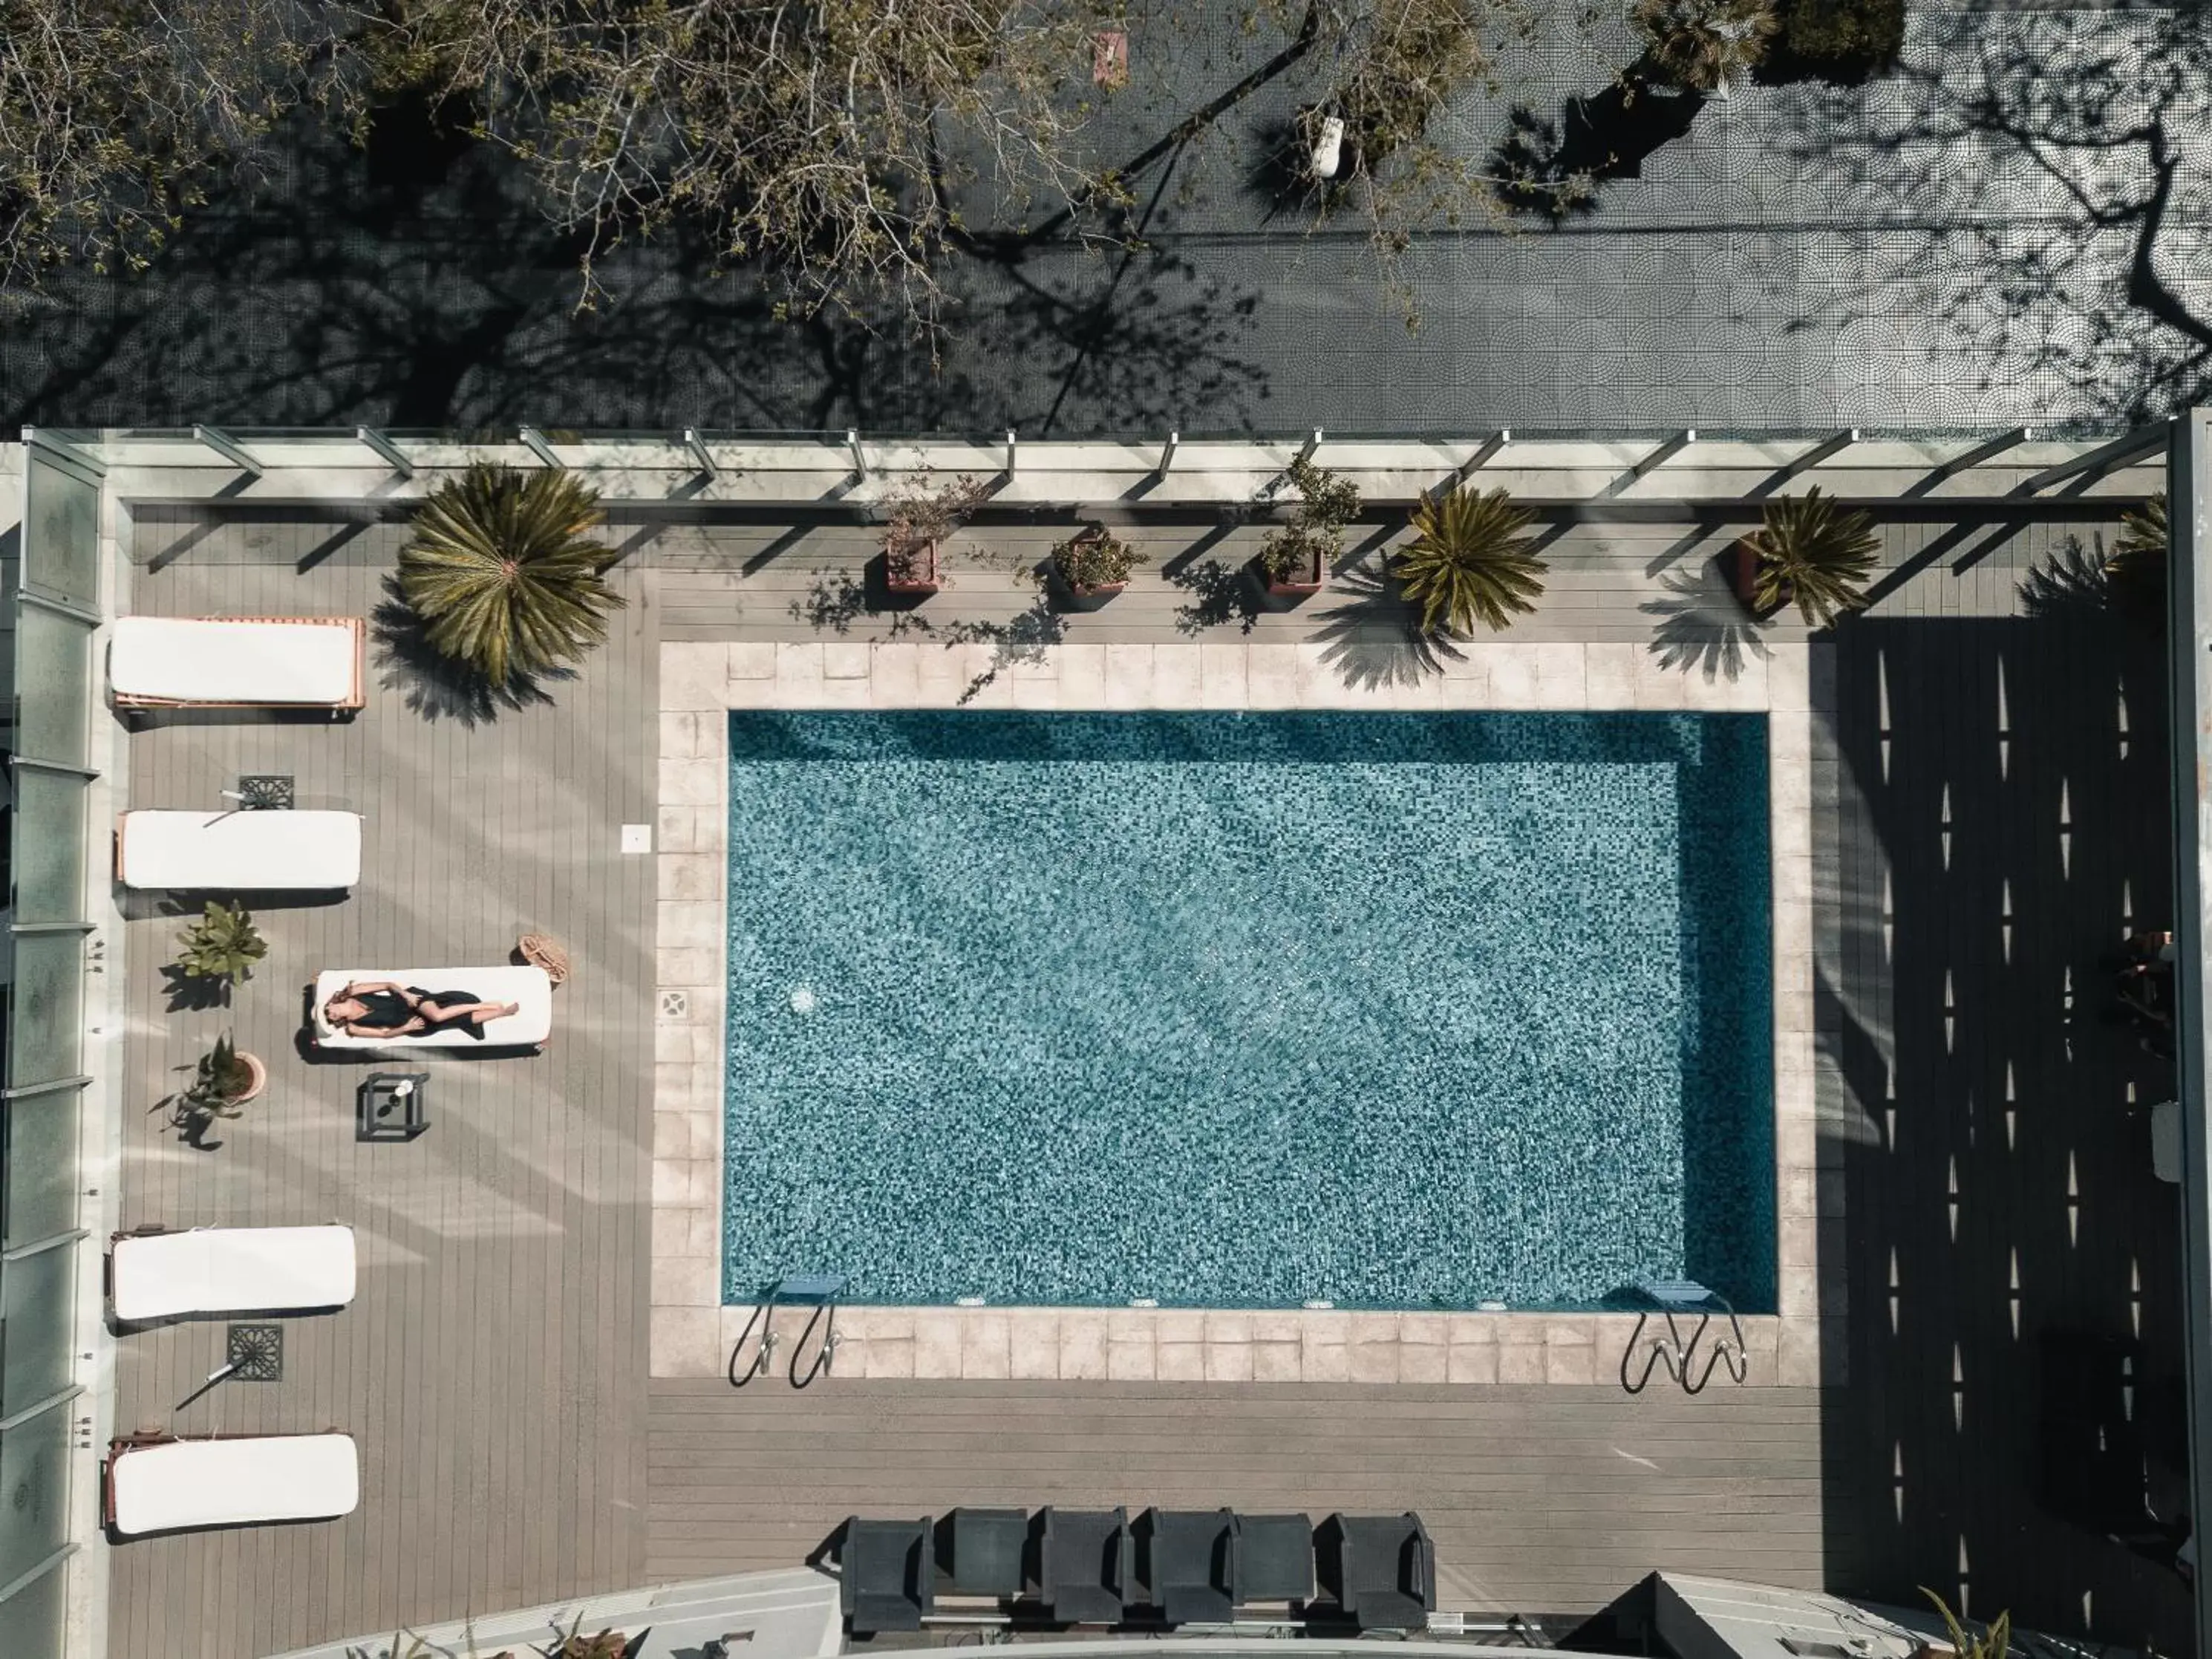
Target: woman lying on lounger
(383,1008)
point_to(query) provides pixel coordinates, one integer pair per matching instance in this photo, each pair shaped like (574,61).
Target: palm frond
(503,574)
(2136,572)
(1468,562)
(1813,557)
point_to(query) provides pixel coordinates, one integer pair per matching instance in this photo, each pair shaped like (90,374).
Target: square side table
(392,1106)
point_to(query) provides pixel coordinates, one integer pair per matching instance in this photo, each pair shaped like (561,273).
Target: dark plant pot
(1741,563)
(914,571)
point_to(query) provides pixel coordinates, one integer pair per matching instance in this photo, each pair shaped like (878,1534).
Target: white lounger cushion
(253,851)
(189,660)
(527,985)
(231,1270)
(180,1484)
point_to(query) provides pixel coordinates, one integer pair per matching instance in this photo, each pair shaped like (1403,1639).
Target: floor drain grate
(257,1352)
(675,1004)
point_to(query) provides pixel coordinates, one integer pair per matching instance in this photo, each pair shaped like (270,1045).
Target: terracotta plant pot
(1313,579)
(256,1072)
(914,571)
(1094,594)
(1741,563)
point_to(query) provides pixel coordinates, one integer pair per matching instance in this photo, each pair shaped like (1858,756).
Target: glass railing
(53,610)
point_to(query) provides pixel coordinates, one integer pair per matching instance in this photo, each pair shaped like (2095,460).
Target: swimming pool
(1404,1011)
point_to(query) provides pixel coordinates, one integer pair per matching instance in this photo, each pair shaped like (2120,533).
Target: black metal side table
(394,1106)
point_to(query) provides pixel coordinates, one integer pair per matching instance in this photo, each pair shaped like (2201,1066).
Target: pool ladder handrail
(822,1290)
(1668,1297)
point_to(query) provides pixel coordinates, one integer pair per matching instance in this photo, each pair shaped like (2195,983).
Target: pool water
(1399,1010)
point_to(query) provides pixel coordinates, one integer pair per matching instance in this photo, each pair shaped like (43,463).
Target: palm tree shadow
(1702,625)
(432,683)
(1372,639)
(2074,584)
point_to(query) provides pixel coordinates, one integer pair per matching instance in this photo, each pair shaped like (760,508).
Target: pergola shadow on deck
(494,1365)
(1992,810)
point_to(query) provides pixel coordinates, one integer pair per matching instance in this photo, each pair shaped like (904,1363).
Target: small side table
(393,1106)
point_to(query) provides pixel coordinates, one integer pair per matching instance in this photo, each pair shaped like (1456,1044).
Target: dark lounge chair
(1189,1564)
(886,1577)
(981,1552)
(1274,1559)
(1380,1570)
(1084,1562)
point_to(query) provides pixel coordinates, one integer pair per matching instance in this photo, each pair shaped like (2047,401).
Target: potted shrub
(1095,562)
(1805,554)
(502,574)
(1295,558)
(222,1082)
(919,516)
(1469,562)
(1706,45)
(223,945)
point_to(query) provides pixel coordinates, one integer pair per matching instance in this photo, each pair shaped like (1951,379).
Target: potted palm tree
(1294,560)
(1095,562)
(1469,562)
(1808,554)
(1706,45)
(503,574)
(919,516)
(223,944)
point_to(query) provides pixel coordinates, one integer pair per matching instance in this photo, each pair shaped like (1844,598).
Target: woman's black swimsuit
(389,1010)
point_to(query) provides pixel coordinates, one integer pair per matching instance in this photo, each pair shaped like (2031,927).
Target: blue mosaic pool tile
(1394,1011)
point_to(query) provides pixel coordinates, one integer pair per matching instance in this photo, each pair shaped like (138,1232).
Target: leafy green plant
(1299,551)
(1706,44)
(1992,1643)
(1468,562)
(502,574)
(1812,555)
(221,1081)
(2135,574)
(1095,557)
(223,944)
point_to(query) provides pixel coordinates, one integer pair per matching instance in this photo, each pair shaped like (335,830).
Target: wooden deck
(1541,1500)
(494,1367)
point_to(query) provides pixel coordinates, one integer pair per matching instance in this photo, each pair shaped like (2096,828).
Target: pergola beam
(860,459)
(224,446)
(534,442)
(1167,454)
(385,450)
(2144,440)
(697,446)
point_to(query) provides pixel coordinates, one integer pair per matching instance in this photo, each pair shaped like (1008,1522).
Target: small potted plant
(1095,562)
(222,1082)
(223,945)
(1294,560)
(1807,553)
(918,517)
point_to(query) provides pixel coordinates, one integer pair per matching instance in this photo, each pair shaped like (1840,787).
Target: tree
(830,140)
(1706,44)
(1812,554)
(1468,562)
(501,573)
(112,112)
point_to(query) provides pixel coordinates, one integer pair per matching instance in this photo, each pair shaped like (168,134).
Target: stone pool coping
(691,1332)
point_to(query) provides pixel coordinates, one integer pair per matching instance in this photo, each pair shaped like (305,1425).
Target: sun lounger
(231,851)
(528,985)
(886,1577)
(223,1270)
(1187,1565)
(1379,1569)
(1086,1565)
(236,662)
(164,1484)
